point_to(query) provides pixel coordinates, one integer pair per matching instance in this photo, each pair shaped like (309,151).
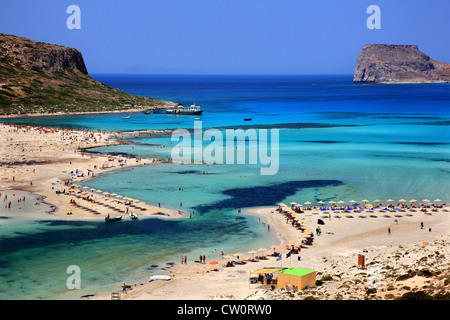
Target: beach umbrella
(114,194)
(228,256)
(252,252)
(320,221)
(402,200)
(99,191)
(365,200)
(352,201)
(437,200)
(426,200)
(412,200)
(320,201)
(307,202)
(106,192)
(331,201)
(340,201)
(390,200)
(282,204)
(376,200)
(238,254)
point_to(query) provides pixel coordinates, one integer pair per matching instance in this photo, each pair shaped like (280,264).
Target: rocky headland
(390,63)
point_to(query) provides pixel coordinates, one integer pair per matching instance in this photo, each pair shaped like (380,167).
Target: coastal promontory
(41,78)
(390,63)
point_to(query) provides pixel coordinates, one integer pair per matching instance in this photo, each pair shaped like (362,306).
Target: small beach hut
(296,277)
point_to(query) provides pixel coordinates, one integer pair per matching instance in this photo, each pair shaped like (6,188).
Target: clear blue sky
(229,36)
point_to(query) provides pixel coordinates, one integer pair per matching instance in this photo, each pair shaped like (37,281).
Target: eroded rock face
(389,63)
(43,56)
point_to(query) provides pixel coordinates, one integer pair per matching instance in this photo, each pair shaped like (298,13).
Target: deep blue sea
(337,141)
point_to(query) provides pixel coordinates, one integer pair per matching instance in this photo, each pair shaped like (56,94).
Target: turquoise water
(337,141)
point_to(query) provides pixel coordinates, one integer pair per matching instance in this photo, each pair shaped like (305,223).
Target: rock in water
(390,63)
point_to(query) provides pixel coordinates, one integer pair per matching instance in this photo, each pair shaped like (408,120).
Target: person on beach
(185,259)
(389,231)
(124,288)
(421,225)
(182,259)
(204,259)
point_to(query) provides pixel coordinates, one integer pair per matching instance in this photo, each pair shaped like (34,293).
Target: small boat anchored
(127,117)
(192,110)
(160,277)
(111,219)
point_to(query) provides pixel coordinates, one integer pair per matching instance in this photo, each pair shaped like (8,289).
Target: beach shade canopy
(320,221)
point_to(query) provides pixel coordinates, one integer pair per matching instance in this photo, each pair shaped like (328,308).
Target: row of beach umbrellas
(355,202)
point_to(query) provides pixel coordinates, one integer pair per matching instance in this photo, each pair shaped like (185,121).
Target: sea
(335,141)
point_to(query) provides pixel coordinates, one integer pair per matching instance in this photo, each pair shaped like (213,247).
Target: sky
(229,36)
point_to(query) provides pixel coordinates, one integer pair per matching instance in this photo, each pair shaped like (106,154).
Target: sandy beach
(44,161)
(334,255)
(48,161)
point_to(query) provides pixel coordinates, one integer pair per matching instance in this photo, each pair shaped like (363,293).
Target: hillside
(37,77)
(389,63)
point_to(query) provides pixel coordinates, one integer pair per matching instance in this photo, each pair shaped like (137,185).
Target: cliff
(37,77)
(389,63)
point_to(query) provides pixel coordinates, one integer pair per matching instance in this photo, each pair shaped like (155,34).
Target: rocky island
(390,63)
(41,78)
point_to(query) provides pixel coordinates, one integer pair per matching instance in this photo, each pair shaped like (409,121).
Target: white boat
(160,277)
(133,216)
(192,110)
(127,117)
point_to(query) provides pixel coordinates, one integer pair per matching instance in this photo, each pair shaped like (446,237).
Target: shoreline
(131,110)
(333,252)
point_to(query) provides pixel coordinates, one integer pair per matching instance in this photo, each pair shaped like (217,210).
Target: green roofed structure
(297,278)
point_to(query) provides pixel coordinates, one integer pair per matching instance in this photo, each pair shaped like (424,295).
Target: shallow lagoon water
(338,141)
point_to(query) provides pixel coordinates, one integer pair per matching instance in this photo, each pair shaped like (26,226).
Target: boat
(133,216)
(248,119)
(160,277)
(192,110)
(148,112)
(127,117)
(111,219)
